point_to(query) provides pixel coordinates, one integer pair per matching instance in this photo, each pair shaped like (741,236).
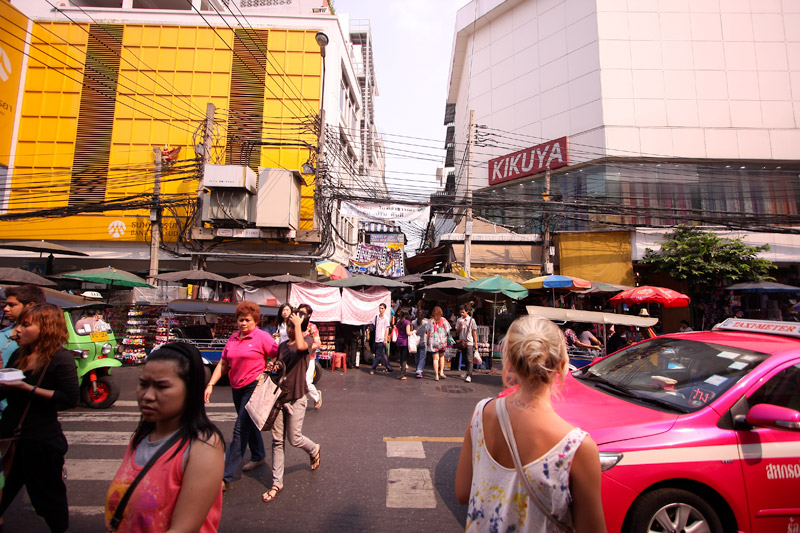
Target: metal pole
(546,228)
(155,217)
(468,222)
(197,260)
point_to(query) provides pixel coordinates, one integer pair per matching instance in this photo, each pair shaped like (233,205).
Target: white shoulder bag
(508,433)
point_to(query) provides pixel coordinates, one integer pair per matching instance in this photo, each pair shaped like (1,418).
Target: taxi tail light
(609,460)
(85,354)
(106,349)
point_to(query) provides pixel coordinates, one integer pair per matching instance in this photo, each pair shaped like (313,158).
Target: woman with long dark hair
(183,489)
(41,332)
(284,312)
(403,331)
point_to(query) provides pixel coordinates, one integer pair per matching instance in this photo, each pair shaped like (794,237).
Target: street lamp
(322,41)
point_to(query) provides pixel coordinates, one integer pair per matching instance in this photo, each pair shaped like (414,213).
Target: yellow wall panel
(132,36)
(168,37)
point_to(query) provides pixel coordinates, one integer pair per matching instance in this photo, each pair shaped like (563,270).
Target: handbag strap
(18,429)
(117,518)
(508,434)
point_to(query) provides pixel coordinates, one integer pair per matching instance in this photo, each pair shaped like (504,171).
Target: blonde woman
(561,462)
(438,332)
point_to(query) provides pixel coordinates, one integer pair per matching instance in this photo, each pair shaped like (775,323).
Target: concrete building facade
(650,113)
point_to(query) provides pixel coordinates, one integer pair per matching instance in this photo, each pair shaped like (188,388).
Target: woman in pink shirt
(243,359)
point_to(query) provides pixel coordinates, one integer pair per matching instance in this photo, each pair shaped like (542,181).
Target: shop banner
(359,308)
(385,212)
(11,60)
(325,301)
(378,261)
(533,160)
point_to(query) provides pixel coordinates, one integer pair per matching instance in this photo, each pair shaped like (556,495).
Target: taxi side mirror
(773,416)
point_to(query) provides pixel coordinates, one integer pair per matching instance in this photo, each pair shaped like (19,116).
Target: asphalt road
(389,454)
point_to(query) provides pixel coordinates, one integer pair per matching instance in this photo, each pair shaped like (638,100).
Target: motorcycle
(95,353)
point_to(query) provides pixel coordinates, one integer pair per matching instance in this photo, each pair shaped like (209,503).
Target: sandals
(318,404)
(315,460)
(402,378)
(271,494)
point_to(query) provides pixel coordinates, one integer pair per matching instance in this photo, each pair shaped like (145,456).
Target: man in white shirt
(467,330)
(382,322)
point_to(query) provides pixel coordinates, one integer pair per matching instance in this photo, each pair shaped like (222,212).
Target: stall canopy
(359,308)
(325,301)
(591,317)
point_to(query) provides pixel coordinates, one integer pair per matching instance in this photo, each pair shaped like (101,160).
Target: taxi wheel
(673,510)
(106,394)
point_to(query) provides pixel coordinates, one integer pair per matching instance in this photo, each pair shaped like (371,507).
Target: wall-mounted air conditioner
(277,204)
(229,177)
(227,207)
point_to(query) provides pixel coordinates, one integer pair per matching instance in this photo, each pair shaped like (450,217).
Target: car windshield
(675,374)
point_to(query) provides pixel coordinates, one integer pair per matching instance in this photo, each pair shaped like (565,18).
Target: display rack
(327,336)
(141,329)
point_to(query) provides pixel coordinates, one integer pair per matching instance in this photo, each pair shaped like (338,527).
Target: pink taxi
(697,431)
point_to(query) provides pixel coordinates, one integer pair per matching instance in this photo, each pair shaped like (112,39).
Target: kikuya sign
(533,160)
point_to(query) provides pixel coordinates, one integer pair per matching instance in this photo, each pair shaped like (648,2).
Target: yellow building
(95,97)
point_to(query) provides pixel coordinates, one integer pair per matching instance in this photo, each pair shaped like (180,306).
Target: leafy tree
(705,261)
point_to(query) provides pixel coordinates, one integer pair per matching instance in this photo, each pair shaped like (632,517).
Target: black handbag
(9,444)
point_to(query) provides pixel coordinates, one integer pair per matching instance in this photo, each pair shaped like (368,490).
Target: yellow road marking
(423,439)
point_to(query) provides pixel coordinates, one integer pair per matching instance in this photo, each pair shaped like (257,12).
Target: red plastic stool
(339,359)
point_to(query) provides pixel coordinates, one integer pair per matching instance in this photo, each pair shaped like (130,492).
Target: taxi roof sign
(790,329)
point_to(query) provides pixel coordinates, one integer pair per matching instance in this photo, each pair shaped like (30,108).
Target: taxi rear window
(681,373)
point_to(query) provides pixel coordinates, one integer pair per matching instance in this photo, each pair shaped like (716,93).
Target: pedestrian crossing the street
(116,426)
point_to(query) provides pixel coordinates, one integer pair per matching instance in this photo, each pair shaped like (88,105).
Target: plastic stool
(339,359)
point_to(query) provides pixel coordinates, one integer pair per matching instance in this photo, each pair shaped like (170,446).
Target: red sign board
(533,160)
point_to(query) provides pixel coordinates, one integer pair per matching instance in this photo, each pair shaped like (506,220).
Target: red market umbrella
(647,294)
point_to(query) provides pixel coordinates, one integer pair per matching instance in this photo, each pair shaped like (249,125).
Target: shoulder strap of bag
(508,433)
(117,518)
(18,429)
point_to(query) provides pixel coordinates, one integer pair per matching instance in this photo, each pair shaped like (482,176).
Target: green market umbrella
(497,285)
(109,276)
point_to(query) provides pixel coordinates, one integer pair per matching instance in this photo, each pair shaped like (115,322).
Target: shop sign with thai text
(533,160)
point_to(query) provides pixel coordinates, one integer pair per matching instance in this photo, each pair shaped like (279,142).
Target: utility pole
(197,260)
(546,224)
(468,222)
(155,217)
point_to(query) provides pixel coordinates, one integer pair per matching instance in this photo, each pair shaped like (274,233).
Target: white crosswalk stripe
(410,488)
(91,469)
(212,405)
(130,416)
(411,450)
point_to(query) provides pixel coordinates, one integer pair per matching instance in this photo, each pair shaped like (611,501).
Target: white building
(672,111)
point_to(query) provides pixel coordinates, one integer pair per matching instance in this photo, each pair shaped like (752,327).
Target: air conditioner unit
(277,204)
(227,207)
(229,177)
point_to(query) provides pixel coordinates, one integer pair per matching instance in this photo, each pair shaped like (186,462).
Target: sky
(412,45)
